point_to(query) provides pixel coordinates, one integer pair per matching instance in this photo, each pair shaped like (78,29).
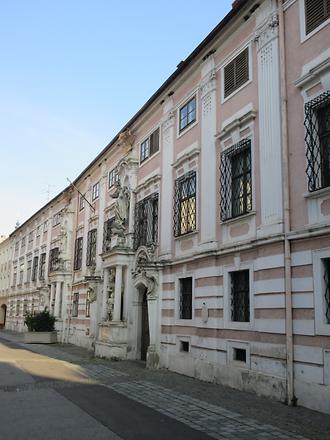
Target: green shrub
(40,322)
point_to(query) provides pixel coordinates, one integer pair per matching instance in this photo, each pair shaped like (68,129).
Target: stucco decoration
(92,294)
(110,294)
(126,139)
(267,31)
(121,209)
(143,274)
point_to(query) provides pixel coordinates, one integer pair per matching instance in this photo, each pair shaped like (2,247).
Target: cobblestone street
(110,394)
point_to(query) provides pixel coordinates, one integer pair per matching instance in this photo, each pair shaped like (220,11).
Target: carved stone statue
(121,209)
(110,299)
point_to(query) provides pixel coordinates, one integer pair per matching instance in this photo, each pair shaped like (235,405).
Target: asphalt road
(46,398)
(59,392)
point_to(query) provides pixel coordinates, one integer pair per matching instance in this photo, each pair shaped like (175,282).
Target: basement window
(239,354)
(184,346)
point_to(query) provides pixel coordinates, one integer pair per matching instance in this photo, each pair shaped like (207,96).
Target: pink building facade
(198,239)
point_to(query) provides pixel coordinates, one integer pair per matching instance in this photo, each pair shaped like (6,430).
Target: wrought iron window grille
(326,278)
(317,139)
(146,221)
(236,180)
(240,296)
(186,298)
(106,246)
(78,253)
(34,268)
(91,247)
(185,204)
(54,259)
(42,267)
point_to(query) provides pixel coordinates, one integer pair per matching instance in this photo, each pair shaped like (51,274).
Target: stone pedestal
(112,340)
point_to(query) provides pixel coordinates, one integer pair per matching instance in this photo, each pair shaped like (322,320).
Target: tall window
(185,298)
(42,266)
(81,203)
(150,146)
(107,234)
(146,221)
(326,293)
(187,114)
(91,248)
(88,304)
(317,138)
(240,296)
(113,177)
(236,73)
(235,180)
(78,253)
(28,271)
(35,268)
(57,219)
(316,12)
(54,259)
(75,304)
(185,204)
(95,191)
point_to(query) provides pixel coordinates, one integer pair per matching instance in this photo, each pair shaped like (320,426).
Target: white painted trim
(226,288)
(181,133)
(321,327)
(303,36)
(227,61)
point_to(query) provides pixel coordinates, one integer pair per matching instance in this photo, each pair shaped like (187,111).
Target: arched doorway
(145,334)
(3,313)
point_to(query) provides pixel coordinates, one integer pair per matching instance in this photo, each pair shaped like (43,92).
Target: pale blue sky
(72,73)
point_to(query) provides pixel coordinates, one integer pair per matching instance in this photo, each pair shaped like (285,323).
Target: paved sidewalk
(214,410)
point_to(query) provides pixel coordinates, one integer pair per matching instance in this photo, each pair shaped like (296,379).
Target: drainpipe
(291,399)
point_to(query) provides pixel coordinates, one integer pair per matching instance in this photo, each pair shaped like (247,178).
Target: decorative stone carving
(126,139)
(92,294)
(110,289)
(121,209)
(142,275)
(208,84)
(168,121)
(267,32)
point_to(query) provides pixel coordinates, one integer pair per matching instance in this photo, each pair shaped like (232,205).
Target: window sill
(188,234)
(306,37)
(224,100)
(238,218)
(147,160)
(318,193)
(186,129)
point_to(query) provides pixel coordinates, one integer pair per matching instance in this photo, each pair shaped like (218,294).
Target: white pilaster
(118,285)
(166,199)
(269,125)
(52,297)
(208,153)
(58,299)
(104,314)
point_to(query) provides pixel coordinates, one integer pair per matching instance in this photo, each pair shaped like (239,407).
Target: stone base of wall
(313,396)
(231,376)
(111,350)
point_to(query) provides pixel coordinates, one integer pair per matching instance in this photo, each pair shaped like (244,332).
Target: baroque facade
(198,239)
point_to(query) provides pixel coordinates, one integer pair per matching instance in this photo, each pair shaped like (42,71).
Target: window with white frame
(236,180)
(316,13)
(45,226)
(95,191)
(35,268)
(81,203)
(57,219)
(88,304)
(149,146)
(146,221)
(236,73)
(185,304)
(75,304)
(91,247)
(113,177)
(185,204)
(240,296)
(42,266)
(28,271)
(317,139)
(187,114)
(321,276)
